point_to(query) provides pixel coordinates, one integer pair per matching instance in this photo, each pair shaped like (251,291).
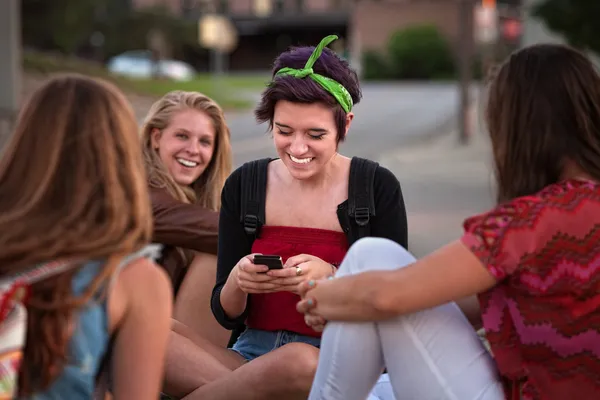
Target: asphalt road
(389,116)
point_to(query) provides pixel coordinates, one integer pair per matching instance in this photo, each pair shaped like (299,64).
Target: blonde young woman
(187,154)
(73,187)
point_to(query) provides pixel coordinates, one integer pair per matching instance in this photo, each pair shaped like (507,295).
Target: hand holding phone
(271,261)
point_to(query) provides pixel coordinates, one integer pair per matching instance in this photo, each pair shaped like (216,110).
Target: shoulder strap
(49,269)
(152,251)
(253,196)
(37,273)
(361,201)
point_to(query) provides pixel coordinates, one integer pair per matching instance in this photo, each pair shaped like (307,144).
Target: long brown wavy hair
(72,185)
(543,112)
(206,191)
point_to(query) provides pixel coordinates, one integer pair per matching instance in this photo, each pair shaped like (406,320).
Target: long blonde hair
(72,185)
(206,191)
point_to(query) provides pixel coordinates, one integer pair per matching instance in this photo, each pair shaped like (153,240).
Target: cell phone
(271,261)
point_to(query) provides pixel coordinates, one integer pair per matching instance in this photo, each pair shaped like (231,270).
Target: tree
(575,20)
(60,24)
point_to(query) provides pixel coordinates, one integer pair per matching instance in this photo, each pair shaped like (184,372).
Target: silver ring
(298,271)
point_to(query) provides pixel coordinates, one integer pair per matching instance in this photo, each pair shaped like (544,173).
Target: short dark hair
(306,90)
(543,111)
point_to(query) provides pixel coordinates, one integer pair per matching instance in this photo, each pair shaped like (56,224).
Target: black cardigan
(389,222)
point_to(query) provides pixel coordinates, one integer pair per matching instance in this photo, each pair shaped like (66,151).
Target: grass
(224,91)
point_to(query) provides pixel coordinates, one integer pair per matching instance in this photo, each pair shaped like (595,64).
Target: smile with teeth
(300,160)
(187,163)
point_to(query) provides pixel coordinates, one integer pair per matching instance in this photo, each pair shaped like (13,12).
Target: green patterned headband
(335,88)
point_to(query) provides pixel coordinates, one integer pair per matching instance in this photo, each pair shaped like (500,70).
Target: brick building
(266,27)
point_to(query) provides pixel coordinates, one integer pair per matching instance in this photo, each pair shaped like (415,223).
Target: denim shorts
(255,343)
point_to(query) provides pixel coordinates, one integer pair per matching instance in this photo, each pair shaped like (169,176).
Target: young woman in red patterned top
(534,260)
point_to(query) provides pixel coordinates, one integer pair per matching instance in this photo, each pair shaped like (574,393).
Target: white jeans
(430,355)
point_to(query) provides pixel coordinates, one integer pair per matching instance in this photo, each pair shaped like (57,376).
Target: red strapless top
(277,311)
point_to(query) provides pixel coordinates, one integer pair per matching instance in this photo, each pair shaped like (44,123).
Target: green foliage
(66,26)
(62,25)
(130,32)
(420,52)
(375,66)
(576,20)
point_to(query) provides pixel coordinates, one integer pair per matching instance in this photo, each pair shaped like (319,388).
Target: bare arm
(140,304)
(449,274)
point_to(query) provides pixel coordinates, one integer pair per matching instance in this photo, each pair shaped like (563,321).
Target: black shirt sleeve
(390,212)
(233,245)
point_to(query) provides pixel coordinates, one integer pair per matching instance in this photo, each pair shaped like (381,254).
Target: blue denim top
(87,347)
(90,339)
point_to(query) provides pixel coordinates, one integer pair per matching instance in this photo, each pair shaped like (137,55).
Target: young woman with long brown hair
(73,187)
(532,260)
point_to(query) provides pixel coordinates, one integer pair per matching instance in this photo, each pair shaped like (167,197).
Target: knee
(373,253)
(298,363)
(373,244)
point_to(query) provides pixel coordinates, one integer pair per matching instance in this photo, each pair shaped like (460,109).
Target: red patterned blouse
(543,318)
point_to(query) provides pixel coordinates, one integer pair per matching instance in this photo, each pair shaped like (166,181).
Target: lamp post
(465,43)
(217,33)
(487,31)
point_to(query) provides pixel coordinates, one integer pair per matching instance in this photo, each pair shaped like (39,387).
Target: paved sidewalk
(443,182)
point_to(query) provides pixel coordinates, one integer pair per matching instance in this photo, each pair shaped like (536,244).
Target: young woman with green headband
(308,106)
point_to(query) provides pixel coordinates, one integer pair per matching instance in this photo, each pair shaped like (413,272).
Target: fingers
(246,265)
(282,273)
(314,321)
(306,305)
(261,291)
(248,286)
(299,259)
(291,281)
(304,287)
(251,278)
(254,277)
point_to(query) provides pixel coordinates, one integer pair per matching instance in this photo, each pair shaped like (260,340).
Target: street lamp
(465,15)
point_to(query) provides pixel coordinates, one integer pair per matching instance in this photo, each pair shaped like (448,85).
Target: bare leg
(284,373)
(192,306)
(228,358)
(193,361)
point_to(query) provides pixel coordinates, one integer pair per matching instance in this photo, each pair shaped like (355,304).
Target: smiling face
(186,146)
(305,137)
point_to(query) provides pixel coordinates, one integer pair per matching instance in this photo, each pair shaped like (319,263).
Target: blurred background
(422,64)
